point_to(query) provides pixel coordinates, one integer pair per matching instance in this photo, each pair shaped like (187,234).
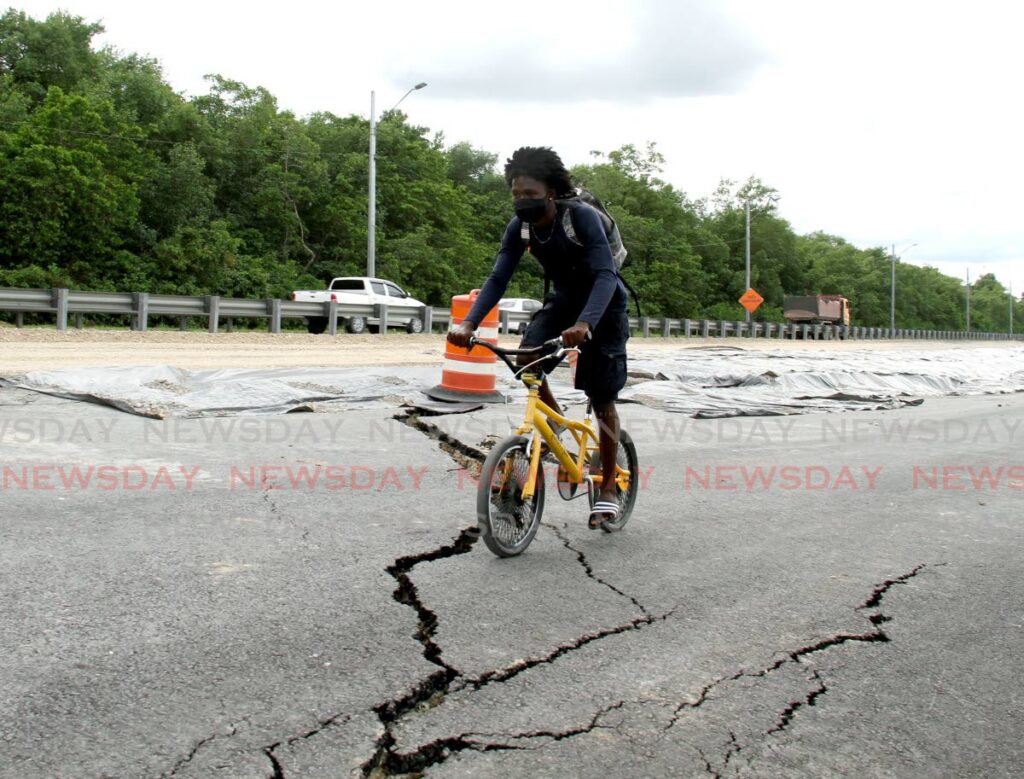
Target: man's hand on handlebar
(576,335)
(461,334)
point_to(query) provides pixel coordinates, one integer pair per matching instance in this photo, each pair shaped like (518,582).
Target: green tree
(54,53)
(67,196)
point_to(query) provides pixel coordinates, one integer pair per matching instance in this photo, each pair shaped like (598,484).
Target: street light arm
(411,90)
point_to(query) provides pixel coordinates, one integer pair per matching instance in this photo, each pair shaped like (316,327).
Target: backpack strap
(567,225)
(636,297)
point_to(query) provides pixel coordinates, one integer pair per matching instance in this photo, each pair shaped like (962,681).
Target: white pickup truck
(403,311)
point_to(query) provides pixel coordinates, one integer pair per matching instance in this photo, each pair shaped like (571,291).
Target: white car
(403,311)
(525,306)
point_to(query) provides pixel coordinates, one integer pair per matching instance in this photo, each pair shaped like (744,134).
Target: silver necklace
(536,235)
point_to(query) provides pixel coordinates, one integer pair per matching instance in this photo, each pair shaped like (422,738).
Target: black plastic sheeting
(698,381)
(727,381)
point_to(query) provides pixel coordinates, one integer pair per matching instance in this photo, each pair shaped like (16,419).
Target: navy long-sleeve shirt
(584,275)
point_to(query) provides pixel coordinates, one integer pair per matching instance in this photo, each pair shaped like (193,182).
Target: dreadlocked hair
(541,163)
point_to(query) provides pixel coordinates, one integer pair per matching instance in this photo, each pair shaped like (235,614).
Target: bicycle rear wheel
(508,521)
(625,458)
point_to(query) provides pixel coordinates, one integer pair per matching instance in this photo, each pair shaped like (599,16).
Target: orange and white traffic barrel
(469,375)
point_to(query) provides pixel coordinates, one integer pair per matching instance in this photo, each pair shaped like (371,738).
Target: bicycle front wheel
(508,521)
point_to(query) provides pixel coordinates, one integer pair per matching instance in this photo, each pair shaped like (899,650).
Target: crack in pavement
(518,667)
(430,691)
(787,715)
(438,751)
(333,720)
(582,558)
(182,762)
(468,457)
(267,488)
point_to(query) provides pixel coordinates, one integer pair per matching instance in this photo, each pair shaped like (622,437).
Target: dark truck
(817,310)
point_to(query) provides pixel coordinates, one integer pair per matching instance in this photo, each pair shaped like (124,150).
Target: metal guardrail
(139,306)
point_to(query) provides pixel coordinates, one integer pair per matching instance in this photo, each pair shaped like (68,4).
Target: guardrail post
(60,302)
(666,327)
(140,302)
(427,314)
(274,309)
(183,323)
(721,328)
(684,328)
(213,310)
(705,328)
(380,310)
(332,317)
(503,323)
(645,327)
(78,321)
(19,319)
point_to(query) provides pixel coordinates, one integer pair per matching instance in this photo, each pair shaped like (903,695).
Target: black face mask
(531,209)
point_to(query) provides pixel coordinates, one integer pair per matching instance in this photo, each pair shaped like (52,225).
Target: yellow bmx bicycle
(510,495)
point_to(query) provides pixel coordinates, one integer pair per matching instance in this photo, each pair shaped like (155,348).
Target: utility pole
(968,300)
(371,220)
(892,294)
(747,208)
(1011,310)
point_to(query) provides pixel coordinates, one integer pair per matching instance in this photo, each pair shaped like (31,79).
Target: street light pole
(1010,290)
(892,295)
(371,219)
(371,216)
(892,289)
(968,300)
(747,286)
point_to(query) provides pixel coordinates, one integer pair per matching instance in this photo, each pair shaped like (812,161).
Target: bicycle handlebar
(556,344)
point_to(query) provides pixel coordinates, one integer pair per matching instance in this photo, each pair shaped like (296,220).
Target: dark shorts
(601,367)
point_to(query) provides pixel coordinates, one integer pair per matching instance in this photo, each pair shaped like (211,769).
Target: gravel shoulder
(44,348)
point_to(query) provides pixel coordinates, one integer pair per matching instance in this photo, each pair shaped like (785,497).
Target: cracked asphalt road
(258,625)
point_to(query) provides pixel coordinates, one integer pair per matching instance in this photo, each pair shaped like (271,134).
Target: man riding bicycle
(587,299)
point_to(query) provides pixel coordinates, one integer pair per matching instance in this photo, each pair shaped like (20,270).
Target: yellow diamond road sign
(751,300)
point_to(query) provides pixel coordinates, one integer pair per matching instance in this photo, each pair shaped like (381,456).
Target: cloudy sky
(895,122)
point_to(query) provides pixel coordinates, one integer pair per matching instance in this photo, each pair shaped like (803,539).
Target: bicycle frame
(535,423)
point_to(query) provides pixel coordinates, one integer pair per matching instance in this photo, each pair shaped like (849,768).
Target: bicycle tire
(626,458)
(508,523)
